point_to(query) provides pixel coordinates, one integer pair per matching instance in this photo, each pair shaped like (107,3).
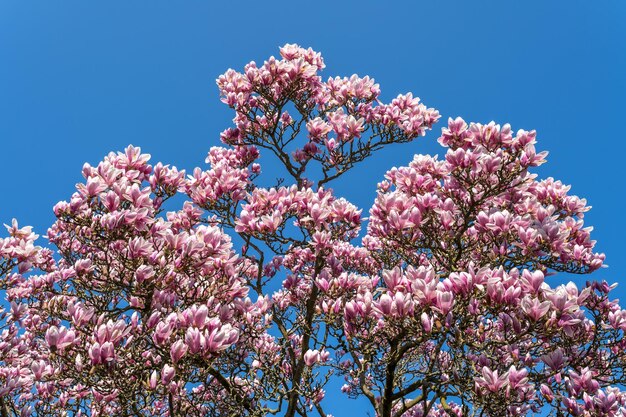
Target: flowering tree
(247,300)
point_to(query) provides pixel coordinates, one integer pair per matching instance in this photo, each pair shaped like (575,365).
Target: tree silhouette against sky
(223,292)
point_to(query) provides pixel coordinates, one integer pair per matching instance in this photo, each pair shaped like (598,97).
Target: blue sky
(79,79)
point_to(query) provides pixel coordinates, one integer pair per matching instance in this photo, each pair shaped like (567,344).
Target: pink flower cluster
(319,215)
(481,205)
(344,120)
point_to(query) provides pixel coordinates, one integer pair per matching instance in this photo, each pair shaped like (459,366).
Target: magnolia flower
(59,338)
(311,357)
(491,380)
(534,308)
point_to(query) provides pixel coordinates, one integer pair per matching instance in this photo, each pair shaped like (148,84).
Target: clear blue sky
(81,78)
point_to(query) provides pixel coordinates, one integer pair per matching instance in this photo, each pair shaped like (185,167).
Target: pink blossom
(491,380)
(59,338)
(311,357)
